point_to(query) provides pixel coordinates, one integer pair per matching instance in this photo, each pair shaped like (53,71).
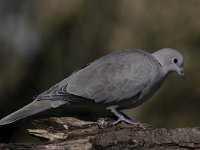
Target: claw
(115,122)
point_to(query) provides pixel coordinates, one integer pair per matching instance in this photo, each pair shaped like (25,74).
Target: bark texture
(71,133)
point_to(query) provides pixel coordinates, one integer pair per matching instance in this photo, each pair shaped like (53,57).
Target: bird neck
(160,59)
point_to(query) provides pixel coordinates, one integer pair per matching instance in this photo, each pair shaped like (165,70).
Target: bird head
(170,60)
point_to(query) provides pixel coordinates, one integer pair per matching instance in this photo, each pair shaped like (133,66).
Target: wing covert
(114,77)
(111,78)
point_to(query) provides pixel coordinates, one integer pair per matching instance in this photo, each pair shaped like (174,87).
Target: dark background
(42,42)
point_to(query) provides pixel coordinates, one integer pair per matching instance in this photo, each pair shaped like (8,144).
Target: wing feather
(114,77)
(119,75)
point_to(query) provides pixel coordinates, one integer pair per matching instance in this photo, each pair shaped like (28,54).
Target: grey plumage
(30,109)
(119,80)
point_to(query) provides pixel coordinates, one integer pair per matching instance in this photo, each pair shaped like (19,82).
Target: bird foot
(124,119)
(121,116)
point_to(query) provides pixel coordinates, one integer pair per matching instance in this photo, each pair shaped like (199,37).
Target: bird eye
(175,60)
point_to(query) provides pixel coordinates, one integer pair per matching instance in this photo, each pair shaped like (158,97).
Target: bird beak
(181,73)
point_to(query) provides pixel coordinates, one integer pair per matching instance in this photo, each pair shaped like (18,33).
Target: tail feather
(30,109)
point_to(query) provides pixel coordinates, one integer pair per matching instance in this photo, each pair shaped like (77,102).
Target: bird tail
(31,109)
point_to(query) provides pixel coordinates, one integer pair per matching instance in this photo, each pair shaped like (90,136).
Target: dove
(120,80)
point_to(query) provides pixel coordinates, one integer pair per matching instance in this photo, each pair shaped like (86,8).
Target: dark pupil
(175,60)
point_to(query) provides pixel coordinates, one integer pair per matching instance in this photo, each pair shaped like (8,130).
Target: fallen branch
(72,133)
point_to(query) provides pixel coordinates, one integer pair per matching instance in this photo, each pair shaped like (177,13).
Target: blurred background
(42,42)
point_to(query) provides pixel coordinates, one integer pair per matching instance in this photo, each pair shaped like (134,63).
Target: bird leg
(121,116)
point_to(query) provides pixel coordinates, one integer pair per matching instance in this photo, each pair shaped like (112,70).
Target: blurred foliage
(42,42)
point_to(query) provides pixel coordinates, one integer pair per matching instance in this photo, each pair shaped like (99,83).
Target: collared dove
(120,80)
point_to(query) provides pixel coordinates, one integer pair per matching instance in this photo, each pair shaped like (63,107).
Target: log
(74,134)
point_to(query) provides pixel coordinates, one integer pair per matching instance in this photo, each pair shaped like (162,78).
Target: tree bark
(71,133)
